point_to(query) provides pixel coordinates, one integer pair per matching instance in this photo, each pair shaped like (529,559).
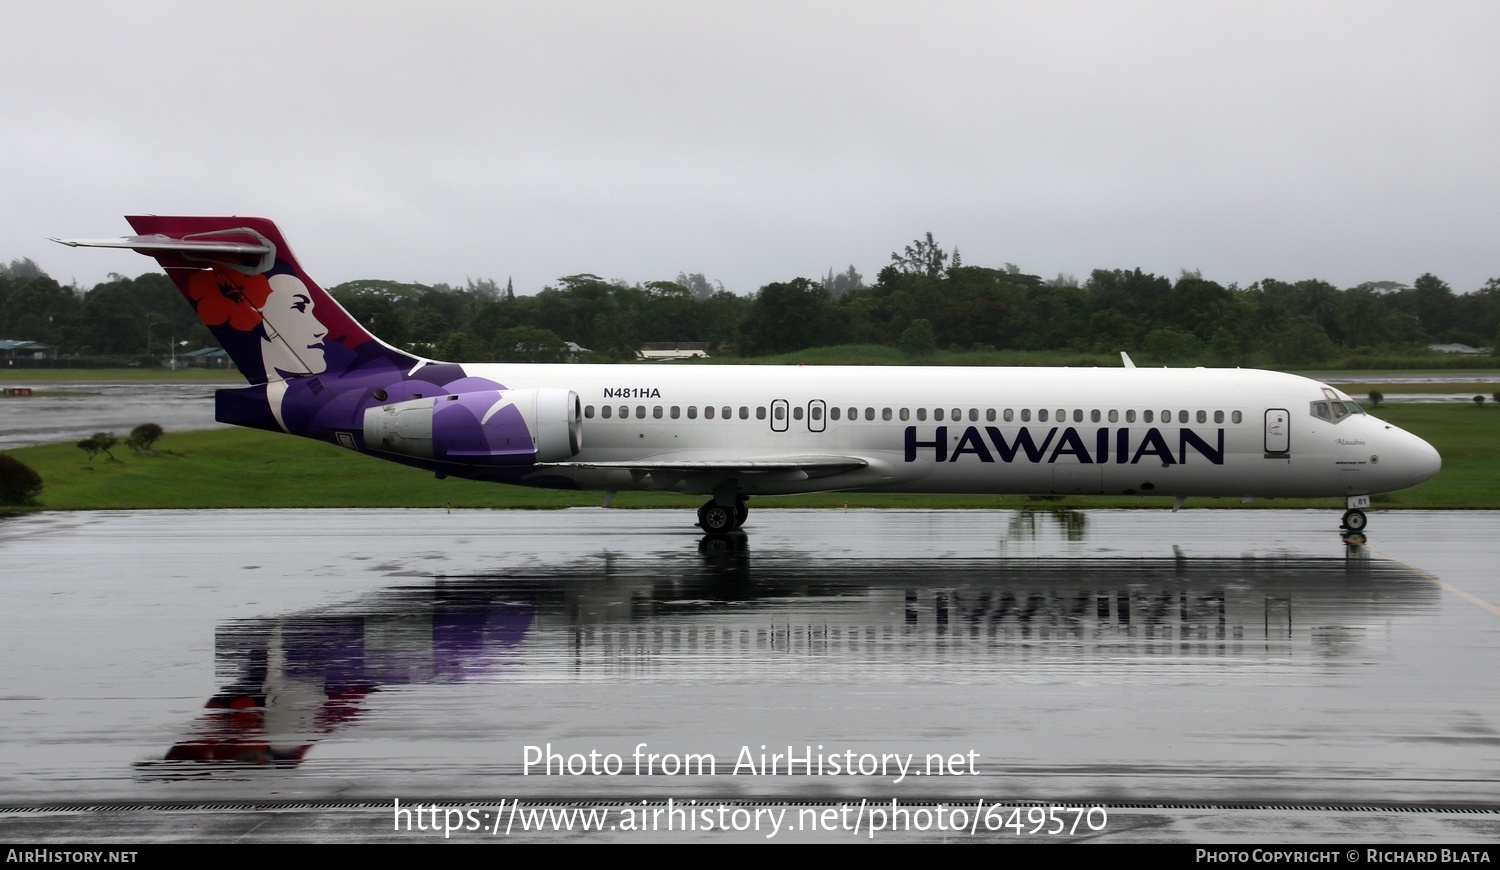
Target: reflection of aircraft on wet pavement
(735,432)
(290,681)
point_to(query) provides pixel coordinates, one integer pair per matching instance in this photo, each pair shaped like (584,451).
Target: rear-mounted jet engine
(485,427)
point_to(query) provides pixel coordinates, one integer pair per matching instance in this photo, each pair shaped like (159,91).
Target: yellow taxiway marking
(1441,583)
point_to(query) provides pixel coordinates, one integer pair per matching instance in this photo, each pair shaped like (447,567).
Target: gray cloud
(760,141)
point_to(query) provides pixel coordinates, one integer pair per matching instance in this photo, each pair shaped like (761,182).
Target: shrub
(143,437)
(18,483)
(99,442)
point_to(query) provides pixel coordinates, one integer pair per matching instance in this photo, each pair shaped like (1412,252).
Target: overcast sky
(760,141)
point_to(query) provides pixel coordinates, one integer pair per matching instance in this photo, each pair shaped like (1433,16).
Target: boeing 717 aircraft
(732,432)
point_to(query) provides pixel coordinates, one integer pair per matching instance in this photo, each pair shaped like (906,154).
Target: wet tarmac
(1204,676)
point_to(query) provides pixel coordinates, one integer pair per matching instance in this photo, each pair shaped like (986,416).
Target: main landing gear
(717,519)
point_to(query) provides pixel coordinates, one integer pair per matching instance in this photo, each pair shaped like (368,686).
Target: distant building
(1460,348)
(205,357)
(14,350)
(665,351)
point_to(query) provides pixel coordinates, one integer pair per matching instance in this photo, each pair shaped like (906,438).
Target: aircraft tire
(741,511)
(716,519)
(1355,521)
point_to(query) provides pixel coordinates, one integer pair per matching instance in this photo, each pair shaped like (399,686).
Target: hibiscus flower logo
(225,296)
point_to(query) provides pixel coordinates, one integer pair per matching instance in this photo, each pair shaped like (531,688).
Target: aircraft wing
(667,472)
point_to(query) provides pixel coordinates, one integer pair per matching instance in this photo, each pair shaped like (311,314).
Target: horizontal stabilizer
(167,243)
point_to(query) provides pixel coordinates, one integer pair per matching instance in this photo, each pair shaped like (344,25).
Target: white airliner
(731,432)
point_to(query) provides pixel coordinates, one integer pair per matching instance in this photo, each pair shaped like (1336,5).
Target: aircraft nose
(1426,462)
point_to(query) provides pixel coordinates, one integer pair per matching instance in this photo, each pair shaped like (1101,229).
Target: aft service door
(1278,432)
(779,415)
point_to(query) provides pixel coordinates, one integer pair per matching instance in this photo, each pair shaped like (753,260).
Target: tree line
(925,299)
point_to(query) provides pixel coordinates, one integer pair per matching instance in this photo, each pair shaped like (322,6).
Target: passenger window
(588,412)
(1146,417)
(779,413)
(1094,416)
(1202,416)
(833,413)
(692,412)
(708,412)
(853,414)
(921,414)
(760,413)
(1078,415)
(885,414)
(797,413)
(1182,416)
(905,414)
(1041,415)
(744,413)
(816,412)
(624,412)
(1009,415)
(937,414)
(640,412)
(605,411)
(1236,416)
(656,412)
(676,412)
(989,415)
(1130,416)
(869,413)
(973,415)
(1025,415)
(1114,416)
(1218,416)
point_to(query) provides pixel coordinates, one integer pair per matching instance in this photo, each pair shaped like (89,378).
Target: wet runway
(74,411)
(1205,676)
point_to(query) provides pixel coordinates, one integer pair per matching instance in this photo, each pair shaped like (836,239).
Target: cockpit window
(1334,410)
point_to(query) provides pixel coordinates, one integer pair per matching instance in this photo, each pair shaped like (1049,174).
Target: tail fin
(275,322)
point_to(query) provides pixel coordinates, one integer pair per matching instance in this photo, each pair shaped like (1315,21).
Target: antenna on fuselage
(1125,358)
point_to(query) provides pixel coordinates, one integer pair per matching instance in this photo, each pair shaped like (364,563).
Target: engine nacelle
(484,427)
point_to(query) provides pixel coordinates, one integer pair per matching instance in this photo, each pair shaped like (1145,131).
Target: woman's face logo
(294,335)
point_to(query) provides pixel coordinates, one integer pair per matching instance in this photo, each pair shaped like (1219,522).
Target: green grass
(20,377)
(881,355)
(1361,391)
(243,468)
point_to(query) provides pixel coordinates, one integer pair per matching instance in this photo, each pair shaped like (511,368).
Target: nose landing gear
(1354,515)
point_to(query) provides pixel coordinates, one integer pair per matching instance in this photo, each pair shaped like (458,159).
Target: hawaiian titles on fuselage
(1120,446)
